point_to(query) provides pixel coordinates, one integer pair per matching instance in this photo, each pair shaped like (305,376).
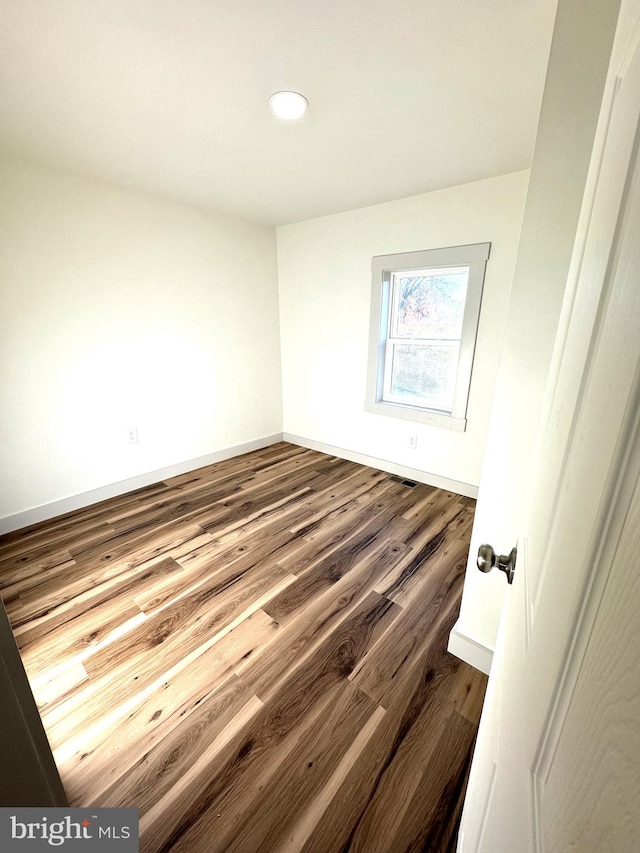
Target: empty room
(308,313)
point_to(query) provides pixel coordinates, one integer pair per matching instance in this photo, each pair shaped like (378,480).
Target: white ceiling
(170,96)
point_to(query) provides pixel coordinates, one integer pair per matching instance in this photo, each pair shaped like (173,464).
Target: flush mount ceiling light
(288,105)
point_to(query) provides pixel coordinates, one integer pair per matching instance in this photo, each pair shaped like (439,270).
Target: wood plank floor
(253,654)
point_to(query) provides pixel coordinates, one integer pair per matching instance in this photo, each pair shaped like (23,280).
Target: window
(425,308)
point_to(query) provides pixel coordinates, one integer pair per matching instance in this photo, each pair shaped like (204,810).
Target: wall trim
(112,490)
(464,647)
(385,465)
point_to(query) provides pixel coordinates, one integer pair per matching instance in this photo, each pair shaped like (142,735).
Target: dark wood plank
(323,617)
(273,732)
(430,823)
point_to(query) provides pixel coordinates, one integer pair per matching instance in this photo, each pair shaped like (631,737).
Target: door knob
(487,559)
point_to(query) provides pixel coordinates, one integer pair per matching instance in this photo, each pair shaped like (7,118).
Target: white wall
(324,271)
(120,309)
(578,64)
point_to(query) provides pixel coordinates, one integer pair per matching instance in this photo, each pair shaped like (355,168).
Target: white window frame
(473,256)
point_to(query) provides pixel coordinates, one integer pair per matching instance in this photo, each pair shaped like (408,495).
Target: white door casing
(579,59)
(557,764)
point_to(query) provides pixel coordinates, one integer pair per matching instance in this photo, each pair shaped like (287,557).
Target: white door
(557,763)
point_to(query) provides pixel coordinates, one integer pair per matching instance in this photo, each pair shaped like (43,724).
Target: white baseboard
(60,507)
(385,465)
(470,651)
(69,504)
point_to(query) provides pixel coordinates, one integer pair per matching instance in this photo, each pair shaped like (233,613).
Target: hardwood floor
(253,654)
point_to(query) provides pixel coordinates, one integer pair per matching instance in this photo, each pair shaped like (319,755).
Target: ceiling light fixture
(288,105)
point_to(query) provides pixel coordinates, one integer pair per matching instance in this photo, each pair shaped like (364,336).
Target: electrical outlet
(131,435)
(413,442)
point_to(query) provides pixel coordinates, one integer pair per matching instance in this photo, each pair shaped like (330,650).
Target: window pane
(429,303)
(424,375)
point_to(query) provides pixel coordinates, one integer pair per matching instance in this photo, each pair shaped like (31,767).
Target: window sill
(421,416)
